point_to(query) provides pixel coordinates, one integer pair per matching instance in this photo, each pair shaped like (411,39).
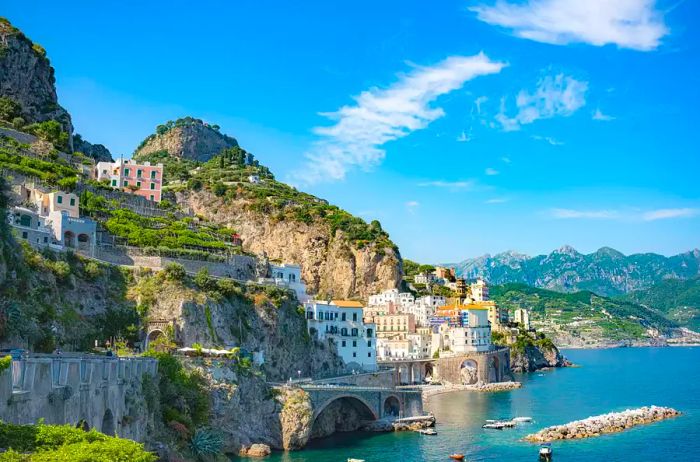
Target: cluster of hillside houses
(398,326)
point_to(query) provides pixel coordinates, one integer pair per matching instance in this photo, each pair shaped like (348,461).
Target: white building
(471,334)
(479,291)
(287,275)
(391,296)
(341,321)
(424,278)
(522,317)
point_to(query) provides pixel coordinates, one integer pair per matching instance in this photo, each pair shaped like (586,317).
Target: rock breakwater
(601,424)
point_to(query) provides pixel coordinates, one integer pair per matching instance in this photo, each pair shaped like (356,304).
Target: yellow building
(395,326)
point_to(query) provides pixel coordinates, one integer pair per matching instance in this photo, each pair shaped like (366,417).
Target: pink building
(145,180)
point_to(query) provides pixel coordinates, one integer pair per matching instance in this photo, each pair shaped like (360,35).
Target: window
(72,201)
(104,172)
(138,184)
(342,317)
(354,354)
(369,332)
(153,186)
(369,354)
(126,172)
(138,173)
(309,315)
(153,197)
(354,316)
(59,199)
(114,182)
(344,331)
(354,332)
(354,343)
(24,235)
(153,174)
(46,240)
(369,344)
(343,343)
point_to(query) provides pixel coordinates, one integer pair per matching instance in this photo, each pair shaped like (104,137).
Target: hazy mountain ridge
(605,272)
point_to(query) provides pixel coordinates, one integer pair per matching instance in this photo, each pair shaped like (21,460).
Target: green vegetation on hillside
(678,299)
(580,311)
(226,175)
(183,122)
(52,170)
(53,443)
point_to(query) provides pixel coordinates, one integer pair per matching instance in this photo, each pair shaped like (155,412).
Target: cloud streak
(632,24)
(380,115)
(598,115)
(611,214)
(448,184)
(555,95)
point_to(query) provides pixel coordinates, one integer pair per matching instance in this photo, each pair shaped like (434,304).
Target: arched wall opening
(341,414)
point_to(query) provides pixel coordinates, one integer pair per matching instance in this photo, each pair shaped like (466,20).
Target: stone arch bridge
(374,403)
(478,367)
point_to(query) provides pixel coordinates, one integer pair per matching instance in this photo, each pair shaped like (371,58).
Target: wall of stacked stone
(97,392)
(382,378)
(241,267)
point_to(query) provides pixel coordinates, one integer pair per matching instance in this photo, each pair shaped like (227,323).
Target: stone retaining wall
(100,392)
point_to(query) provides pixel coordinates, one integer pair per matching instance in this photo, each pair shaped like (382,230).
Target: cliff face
(533,358)
(26,77)
(331,266)
(97,151)
(186,139)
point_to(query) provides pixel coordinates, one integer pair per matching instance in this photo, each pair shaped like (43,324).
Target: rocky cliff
(331,264)
(97,151)
(27,78)
(186,138)
(532,358)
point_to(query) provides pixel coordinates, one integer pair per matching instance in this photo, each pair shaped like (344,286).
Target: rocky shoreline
(613,422)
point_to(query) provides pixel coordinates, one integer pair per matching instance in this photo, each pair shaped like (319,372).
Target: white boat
(356,460)
(522,419)
(494,426)
(427,431)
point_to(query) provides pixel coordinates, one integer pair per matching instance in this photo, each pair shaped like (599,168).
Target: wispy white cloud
(491,171)
(548,139)
(634,24)
(464,184)
(497,200)
(506,160)
(478,102)
(598,115)
(411,206)
(464,137)
(630,215)
(380,115)
(665,214)
(590,214)
(555,95)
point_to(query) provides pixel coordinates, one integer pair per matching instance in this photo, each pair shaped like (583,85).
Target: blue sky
(465,127)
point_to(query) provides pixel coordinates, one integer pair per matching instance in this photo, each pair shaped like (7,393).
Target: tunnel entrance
(342,414)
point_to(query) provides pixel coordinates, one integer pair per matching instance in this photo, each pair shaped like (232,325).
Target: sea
(604,380)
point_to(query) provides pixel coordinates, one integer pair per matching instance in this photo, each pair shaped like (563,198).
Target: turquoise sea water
(608,380)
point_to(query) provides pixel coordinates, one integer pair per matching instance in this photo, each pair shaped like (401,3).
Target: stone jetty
(607,423)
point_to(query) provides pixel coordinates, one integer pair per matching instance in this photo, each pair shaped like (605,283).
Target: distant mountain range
(605,272)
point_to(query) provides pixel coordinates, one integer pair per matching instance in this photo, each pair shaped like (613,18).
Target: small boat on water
(356,460)
(494,426)
(457,456)
(546,452)
(427,431)
(522,419)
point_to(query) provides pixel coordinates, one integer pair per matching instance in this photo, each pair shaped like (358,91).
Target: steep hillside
(678,299)
(186,138)
(27,92)
(97,151)
(584,318)
(605,272)
(341,255)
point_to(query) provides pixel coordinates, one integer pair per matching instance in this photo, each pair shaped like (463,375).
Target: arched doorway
(341,414)
(428,372)
(494,374)
(469,372)
(108,423)
(69,239)
(153,336)
(392,407)
(83,425)
(83,241)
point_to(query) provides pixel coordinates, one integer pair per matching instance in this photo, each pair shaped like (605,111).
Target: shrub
(9,109)
(51,131)
(175,272)
(219,189)
(205,442)
(202,279)
(5,362)
(92,270)
(61,270)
